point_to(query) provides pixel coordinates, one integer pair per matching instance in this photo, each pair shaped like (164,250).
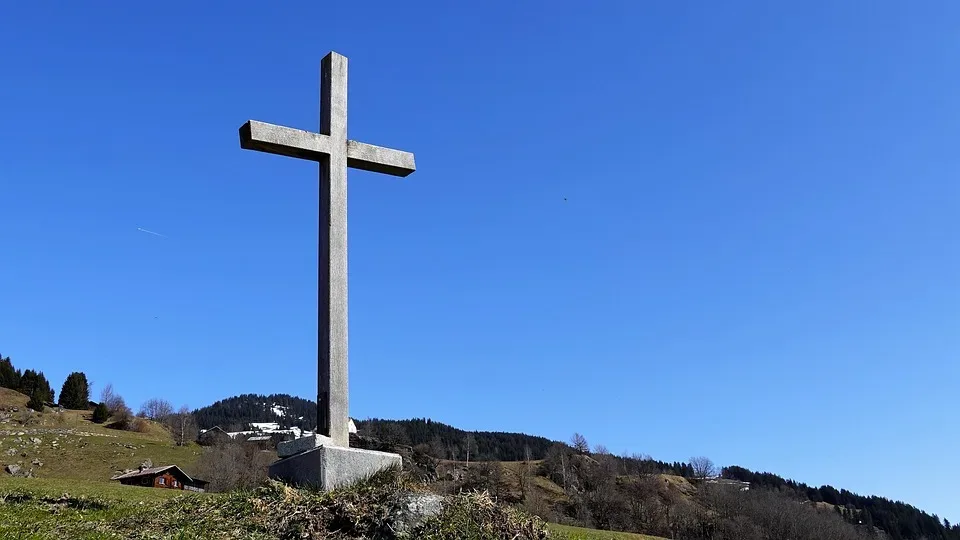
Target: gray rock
(37,462)
(36,440)
(147,463)
(12,452)
(418,508)
(14,469)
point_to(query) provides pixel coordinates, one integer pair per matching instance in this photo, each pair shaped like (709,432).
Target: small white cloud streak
(151,232)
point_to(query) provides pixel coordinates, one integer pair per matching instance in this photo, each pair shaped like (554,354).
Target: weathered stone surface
(290,448)
(283,141)
(330,467)
(368,157)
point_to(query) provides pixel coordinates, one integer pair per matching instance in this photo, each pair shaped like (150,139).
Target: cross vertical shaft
(332,399)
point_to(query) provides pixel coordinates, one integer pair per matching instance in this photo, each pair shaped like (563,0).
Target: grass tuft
(476,516)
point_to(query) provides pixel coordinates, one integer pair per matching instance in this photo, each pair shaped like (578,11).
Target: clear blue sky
(726,229)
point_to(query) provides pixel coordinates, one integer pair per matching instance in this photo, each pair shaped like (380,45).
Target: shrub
(101,414)
(122,415)
(140,425)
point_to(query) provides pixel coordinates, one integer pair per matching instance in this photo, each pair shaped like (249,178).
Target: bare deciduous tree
(524,478)
(470,444)
(182,425)
(233,465)
(111,400)
(156,409)
(579,443)
(703,467)
(601,450)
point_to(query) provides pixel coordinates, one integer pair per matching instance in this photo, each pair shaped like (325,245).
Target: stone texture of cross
(335,153)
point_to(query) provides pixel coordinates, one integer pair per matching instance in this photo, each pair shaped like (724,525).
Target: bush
(122,415)
(140,425)
(101,414)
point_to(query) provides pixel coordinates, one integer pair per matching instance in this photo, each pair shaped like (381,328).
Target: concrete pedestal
(330,467)
(297,446)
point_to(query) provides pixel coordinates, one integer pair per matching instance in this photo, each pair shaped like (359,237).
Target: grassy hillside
(69,446)
(39,509)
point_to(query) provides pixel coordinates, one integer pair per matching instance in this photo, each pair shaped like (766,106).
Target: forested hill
(898,519)
(235,413)
(447,442)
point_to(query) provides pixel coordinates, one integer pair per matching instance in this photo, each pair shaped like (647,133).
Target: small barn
(166,477)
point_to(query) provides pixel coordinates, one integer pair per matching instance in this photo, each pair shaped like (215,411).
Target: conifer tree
(75,393)
(36,400)
(32,381)
(9,377)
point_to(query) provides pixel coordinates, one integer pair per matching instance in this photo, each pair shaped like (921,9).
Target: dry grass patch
(566,532)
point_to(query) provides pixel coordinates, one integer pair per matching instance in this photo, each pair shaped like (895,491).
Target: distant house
(213,436)
(166,477)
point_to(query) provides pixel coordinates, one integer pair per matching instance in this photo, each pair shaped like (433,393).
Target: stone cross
(335,153)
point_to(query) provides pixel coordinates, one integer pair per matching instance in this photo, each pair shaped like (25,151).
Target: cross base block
(331,467)
(294,447)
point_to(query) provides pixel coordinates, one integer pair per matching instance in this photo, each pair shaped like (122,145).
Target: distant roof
(150,471)
(260,438)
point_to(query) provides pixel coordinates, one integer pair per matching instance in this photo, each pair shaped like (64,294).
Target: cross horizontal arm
(302,144)
(283,141)
(368,157)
